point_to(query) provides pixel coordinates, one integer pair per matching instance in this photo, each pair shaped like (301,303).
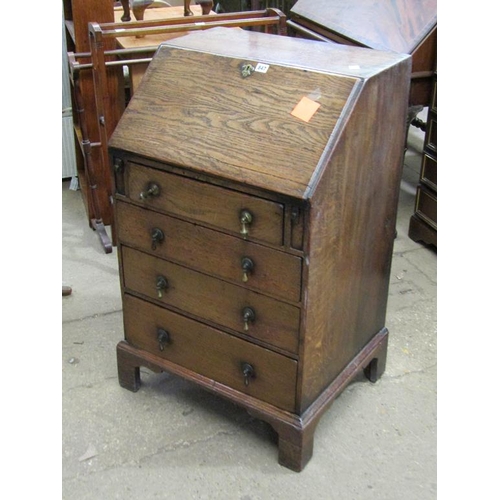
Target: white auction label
(261,68)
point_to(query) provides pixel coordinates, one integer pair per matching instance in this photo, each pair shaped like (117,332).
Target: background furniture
(403,26)
(93,175)
(78,14)
(101,92)
(256,197)
(423,223)
(68,143)
(242,5)
(164,14)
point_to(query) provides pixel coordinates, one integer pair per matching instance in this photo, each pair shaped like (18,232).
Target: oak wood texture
(295,432)
(201,202)
(246,117)
(230,113)
(332,181)
(212,353)
(211,252)
(404,26)
(276,323)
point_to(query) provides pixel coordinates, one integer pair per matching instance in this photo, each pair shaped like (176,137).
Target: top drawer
(211,205)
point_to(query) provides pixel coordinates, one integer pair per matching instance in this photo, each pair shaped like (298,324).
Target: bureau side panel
(351,233)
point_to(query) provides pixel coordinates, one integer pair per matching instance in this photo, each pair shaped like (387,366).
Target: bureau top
(273,129)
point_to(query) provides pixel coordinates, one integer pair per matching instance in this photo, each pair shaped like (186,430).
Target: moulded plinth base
(296,432)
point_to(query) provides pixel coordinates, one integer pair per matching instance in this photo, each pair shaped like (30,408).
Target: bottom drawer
(251,369)
(426,206)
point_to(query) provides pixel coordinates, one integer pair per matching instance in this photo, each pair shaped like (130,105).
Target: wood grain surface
(200,202)
(276,322)
(397,25)
(191,121)
(216,142)
(211,353)
(274,273)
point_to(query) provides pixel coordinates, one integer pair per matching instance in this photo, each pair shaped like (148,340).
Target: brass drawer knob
(248,317)
(157,236)
(151,191)
(248,266)
(248,372)
(246,219)
(163,338)
(161,285)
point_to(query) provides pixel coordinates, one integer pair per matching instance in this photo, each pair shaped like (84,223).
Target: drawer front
(267,319)
(212,252)
(211,205)
(427,206)
(429,171)
(434,102)
(431,134)
(211,353)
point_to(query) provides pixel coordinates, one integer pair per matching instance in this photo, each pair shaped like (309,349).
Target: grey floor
(172,440)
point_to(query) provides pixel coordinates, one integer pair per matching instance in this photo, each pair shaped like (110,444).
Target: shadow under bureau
(256,188)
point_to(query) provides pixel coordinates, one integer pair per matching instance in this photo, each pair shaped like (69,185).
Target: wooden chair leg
(126,11)
(206,7)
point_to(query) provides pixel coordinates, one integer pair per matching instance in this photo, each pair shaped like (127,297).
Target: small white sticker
(354,66)
(200,24)
(261,68)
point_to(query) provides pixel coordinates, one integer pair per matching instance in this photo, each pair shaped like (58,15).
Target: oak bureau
(256,186)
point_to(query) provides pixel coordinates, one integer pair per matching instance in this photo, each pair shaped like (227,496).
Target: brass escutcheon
(246,70)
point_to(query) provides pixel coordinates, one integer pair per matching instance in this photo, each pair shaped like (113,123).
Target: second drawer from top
(251,265)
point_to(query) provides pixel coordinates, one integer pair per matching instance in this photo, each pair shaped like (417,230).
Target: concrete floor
(172,440)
